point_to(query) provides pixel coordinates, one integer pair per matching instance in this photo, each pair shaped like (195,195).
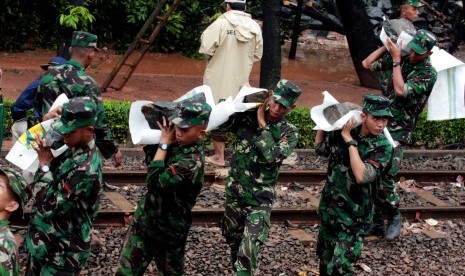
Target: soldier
(26,101)
(358,157)
(66,191)
(14,194)
(175,176)
(71,79)
(409,88)
(410,10)
(264,140)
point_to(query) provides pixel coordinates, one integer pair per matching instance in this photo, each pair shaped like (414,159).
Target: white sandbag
(399,30)
(60,100)
(446,101)
(404,38)
(239,104)
(23,154)
(141,133)
(321,123)
(221,112)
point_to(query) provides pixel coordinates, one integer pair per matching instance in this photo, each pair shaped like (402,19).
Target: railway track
(119,178)
(300,215)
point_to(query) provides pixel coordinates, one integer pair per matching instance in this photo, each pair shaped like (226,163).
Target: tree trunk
(360,37)
(270,68)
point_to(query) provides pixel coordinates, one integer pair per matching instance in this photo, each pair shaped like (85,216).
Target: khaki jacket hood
(243,26)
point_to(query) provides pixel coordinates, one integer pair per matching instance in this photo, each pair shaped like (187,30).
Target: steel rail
(120,178)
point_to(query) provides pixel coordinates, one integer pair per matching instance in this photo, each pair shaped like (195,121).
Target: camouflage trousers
(35,267)
(139,250)
(387,199)
(339,246)
(245,229)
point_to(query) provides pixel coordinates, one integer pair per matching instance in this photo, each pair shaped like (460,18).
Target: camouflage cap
(78,112)
(422,42)
(190,113)
(84,39)
(18,186)
(53,62)
(377,105)
(286,93)
(413,3)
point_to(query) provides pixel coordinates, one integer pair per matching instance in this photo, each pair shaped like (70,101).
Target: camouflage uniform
(346,207)
(163,216)
(9,254)
(71,79)
(250,188)
(419,81)
(66,200)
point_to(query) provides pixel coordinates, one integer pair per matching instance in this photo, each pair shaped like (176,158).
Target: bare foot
(211,160)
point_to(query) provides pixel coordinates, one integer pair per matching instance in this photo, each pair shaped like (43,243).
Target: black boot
(394,225)
(377,226)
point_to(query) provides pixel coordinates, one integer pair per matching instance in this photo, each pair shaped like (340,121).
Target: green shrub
(300,117)
(8,122)
(434,134)
(429,134)
(117,114)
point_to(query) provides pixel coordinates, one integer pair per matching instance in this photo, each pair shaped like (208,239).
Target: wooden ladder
(143,42)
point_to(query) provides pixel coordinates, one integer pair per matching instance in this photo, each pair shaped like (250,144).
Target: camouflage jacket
(419,81)
(9,255)
(342,197)
(71,79)
(173,185)
(66,201)
(257,157)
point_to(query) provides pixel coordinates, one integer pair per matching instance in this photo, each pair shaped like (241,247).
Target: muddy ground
(321,64)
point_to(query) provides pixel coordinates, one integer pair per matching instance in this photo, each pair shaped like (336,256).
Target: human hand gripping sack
(168,134)
(394,50)
(44,152)
(261,117)
(351,124)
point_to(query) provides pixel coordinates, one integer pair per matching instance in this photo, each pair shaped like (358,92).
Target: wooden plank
(313,200)
(432,234)
(304,237)
(119,200)
(430,197)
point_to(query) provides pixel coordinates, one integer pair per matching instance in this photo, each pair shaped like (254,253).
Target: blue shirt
(26,102)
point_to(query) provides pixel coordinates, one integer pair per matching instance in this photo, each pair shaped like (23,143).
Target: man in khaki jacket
(231,44)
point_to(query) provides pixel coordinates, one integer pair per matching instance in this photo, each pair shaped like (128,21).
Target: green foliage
(434,134)
(117,114)
(8,122)
(78,16)
(25,25)
(196,16)
(300,117)
(138,10)
(45,24)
